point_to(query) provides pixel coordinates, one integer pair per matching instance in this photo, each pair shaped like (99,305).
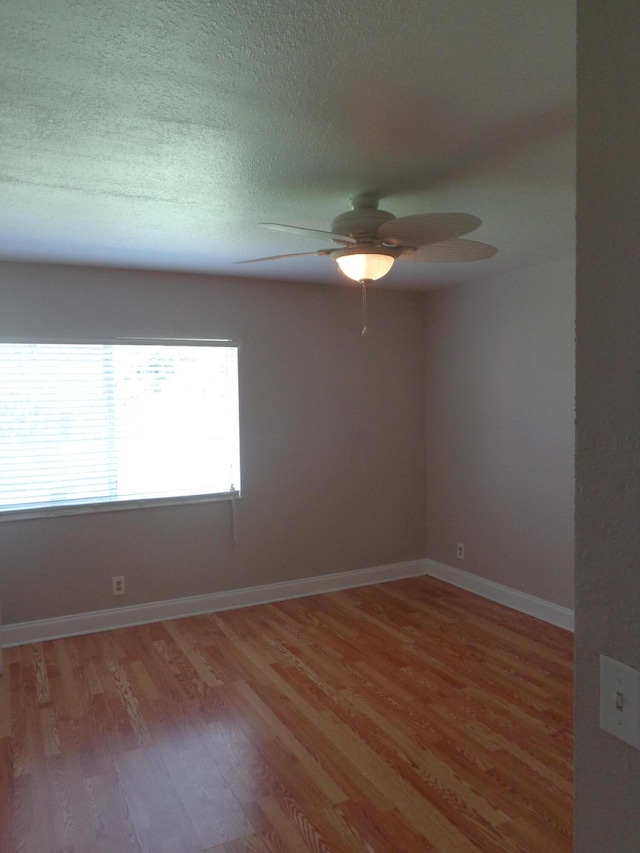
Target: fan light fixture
(372,239)
(361,266)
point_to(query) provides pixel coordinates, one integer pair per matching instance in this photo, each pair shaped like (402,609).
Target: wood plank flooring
(409,716)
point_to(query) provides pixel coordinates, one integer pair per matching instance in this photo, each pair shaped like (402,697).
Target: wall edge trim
(547,611)
(76,624)
(41,630)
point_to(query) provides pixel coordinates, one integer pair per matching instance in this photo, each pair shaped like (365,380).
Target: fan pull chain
(364,331)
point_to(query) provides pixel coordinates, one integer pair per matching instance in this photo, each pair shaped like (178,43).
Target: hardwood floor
(409,716)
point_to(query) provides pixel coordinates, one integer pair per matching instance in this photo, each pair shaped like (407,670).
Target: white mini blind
(117,422)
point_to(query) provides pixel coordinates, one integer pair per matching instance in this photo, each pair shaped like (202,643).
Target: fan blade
(309,232)
(278,257)
(427,228)
(450,252)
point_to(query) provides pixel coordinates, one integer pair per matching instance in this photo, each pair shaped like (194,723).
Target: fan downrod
(368,200)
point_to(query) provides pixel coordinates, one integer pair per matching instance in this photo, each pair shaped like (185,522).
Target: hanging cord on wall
(234,494)
(364,331)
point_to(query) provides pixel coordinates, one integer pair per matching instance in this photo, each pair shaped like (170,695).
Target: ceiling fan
(371,240)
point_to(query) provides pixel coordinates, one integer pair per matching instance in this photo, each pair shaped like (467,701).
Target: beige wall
(607,412)
(500,410)
(332,432)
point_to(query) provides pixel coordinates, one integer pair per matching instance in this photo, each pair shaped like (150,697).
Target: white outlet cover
(620,700)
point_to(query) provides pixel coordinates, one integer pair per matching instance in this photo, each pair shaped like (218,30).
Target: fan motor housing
(365,248)
(362,224)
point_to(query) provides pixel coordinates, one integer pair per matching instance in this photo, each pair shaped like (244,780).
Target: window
(86,426)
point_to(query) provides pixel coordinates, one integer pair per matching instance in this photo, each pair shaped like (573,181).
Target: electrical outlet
(620,700)
(460,551)
(118,585)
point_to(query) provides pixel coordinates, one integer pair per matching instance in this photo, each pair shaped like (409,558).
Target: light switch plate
(620,700)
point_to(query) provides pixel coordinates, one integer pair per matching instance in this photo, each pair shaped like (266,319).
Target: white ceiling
(158,133)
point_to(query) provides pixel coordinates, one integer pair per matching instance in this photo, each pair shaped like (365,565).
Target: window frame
(91,507)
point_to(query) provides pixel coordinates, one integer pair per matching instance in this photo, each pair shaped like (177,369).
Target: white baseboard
(139,614)
(555,614)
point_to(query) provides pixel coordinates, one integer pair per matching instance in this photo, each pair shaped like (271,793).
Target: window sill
(114,506)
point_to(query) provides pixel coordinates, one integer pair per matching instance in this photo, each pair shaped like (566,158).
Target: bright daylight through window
(98,426)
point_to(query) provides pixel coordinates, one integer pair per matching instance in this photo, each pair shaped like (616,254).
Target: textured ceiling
(158,133)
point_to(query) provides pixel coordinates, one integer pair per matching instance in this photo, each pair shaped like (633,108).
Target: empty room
(318,427)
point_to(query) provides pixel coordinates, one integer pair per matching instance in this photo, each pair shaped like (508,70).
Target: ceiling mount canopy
(372,239)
